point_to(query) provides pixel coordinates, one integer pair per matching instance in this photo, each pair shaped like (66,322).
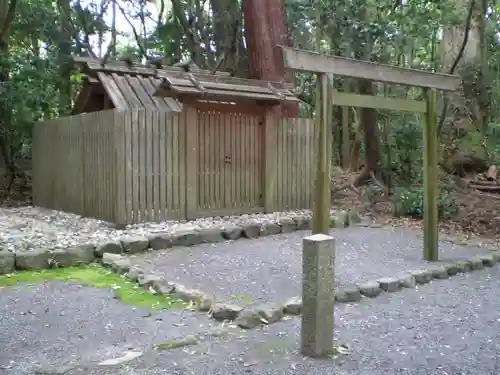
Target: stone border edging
(113,254)
(409,279)
(39,258)
(256,315)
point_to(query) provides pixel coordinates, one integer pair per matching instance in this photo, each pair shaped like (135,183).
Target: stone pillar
(318,276)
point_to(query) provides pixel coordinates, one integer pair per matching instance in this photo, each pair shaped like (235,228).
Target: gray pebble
(463,266)
(348,294)
(407,281)
(389,284)
(293,306)
(476,263)
(223,311)
(438,272)
(421,276)
(370,289)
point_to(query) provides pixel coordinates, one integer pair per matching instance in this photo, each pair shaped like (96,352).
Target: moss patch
(177,343)
(244,299)
(99,277)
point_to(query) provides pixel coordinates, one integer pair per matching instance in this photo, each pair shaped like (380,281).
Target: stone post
(318,275)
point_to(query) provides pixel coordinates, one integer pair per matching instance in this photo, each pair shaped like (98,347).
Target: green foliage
(493,142)
(405,146)
(403,34)
(484,145)
(410,202)
(96,276)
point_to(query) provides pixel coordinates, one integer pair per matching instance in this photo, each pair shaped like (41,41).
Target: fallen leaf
(342,349)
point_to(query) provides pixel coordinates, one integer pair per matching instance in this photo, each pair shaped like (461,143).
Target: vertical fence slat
(141,126)
(129,168)
(176,150)
(155,150)
(165,148)
(148,164)
(246,158)
(294,155)
(190,167)
(226,142)
(134,144)
(118,135)
(180,126)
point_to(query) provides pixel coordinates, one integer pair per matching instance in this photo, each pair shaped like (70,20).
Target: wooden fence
(145,165)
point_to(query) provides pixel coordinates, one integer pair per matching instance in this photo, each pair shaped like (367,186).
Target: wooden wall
(145,165)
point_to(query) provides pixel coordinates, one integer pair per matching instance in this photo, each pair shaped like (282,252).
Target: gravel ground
(31,227)
(270,268)
(449,327)
(59,324)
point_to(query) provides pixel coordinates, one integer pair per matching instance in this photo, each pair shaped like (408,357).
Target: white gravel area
(33,227)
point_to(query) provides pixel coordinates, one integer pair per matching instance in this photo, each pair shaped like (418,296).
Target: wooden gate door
(230,160)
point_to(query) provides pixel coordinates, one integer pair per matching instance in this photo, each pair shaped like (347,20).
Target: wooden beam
(378,102)
(340,66)
(113,91)
(220,95)
(120,69)
(194,80)
(323,145)
(430,179)
(82,99)
(205,78)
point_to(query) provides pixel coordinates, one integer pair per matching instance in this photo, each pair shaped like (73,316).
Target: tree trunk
(7,12)
(368,120)
(461,45)
(368,117)
(64,60)
(265,28)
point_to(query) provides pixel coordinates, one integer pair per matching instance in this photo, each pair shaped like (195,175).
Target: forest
(377,154)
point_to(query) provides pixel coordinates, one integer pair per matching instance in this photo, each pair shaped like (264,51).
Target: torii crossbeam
(326,67)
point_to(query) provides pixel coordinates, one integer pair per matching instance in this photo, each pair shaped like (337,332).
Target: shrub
(405,146)
(410,202)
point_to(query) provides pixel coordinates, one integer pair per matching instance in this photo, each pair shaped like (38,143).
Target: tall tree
(65,43)
(7,13)
(265,28)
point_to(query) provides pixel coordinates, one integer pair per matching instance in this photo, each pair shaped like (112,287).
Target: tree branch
(187,26)
(73,31)
(134,31)
(468,24)
(9,18)
(160,12)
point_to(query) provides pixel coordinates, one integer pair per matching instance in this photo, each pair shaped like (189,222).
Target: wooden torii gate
(326,67)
